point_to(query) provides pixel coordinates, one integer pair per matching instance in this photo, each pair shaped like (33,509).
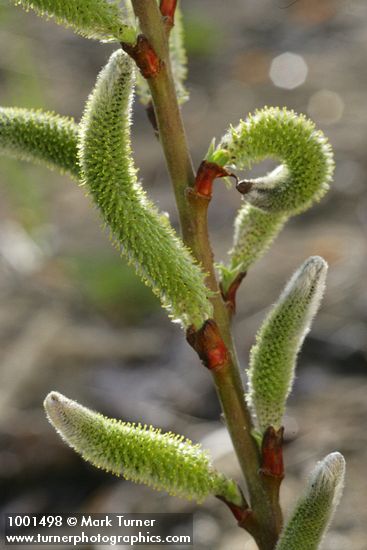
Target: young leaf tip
(273,357)
(314,510)
(143,454)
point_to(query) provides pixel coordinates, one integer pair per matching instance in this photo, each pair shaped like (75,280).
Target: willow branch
(193,217)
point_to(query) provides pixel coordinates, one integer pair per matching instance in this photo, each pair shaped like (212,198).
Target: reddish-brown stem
(230,295)
(144,56)
(206,174)
(208,344)
(272,469)
(243,515)
(272,453)
(168,9)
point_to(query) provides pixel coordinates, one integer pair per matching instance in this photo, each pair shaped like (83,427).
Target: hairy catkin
(145,236)
(307,160)
(254,232)
(273,357)
(164,461)
(314,511)
(99,19)
(302,179)
(40,137)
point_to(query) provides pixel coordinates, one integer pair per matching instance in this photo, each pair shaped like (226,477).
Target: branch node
(229,296)
(272,453)
(144,56)
(243,514)
(209,345)
(206,174)
(240,512)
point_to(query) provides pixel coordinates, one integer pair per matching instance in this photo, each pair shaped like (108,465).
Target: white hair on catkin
(163,461)
(143,235)
(307,525)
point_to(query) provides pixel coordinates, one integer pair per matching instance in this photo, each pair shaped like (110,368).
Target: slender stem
(170,125)
(193,218)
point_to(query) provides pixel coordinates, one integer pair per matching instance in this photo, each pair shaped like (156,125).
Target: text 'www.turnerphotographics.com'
(108,529)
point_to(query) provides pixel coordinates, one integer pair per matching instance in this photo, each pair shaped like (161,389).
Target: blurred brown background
(74,318)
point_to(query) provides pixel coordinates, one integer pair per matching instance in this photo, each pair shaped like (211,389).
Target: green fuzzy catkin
(254,231)
(178,59)
(145,236)
(314,511)
(99,19)
(291,188)
(273,357)
(164,461)
(306,156)
(40,137)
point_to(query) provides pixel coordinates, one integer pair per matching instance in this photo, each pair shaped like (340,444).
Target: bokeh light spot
(325,107)
(288,70)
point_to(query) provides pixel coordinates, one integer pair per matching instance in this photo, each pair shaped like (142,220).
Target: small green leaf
(40,137)
(315,509)
(273,358)
(99,19)
(164,461)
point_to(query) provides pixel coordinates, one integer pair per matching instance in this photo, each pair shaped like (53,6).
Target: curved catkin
(306,157)
(302,178)
(145,236)
(40,137)
(99,19)
(314,511)
(164,461)
(273,357)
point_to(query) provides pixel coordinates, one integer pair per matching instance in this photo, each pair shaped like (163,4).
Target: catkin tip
(274,356)
(330,472)
(314,266)
(55,405)
(163,461)
(306,527)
